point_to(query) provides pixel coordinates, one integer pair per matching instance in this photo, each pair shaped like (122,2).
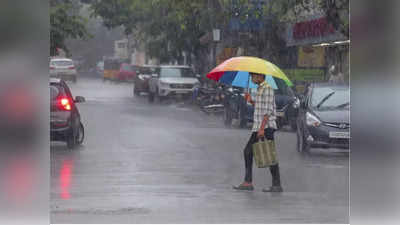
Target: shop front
(319,47)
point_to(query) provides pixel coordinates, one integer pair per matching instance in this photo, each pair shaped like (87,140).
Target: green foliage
(65,24)
(169,27)
(173,26)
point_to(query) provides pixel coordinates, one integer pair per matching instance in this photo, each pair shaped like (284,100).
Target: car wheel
(302,145)
(71,141)
(227,117)
(242,117)
(81,134)
(151,97)
(160,99)
(293,124)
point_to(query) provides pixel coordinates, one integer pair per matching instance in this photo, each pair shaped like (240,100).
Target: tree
(64,24)
(337,13)
(168,28)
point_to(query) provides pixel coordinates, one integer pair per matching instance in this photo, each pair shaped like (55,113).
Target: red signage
(313,28)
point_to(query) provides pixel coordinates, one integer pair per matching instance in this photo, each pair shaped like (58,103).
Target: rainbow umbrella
(236,72)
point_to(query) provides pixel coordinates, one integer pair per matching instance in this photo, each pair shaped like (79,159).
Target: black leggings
(248,158)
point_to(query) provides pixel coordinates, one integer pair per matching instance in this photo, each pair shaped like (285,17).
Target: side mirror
(79,99)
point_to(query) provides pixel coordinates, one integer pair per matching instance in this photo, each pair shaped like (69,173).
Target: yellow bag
(264,153)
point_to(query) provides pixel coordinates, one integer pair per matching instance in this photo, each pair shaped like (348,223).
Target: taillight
(52,67)
(65,103)
(71,67)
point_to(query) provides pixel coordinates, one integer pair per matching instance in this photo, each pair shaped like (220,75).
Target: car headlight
(312,120)
(296,103)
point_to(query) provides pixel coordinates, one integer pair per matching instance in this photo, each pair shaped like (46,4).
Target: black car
(324,117)
(236,107)
(65,120)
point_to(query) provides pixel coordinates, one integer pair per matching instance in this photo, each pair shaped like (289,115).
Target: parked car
(324,117)
(63,68)
(172,81)
(236,107)
(126,72)
(65,120)
(141,81)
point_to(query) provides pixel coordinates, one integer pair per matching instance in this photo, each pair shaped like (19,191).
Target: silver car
(63,68)
(172,81)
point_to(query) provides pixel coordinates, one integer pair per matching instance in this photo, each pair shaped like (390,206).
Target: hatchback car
(65,120)
(63,68)
(324,117)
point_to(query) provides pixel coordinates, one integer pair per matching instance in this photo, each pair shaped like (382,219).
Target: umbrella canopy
(235,71)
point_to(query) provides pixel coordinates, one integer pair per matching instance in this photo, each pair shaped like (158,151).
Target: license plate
(339,135)
(280,114)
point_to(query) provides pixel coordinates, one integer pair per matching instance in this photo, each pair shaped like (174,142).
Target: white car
(63,68)
(170,81)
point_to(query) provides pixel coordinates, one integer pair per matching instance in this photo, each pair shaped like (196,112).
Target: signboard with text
(311,32)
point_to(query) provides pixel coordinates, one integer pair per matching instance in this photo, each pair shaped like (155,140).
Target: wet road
(170,163)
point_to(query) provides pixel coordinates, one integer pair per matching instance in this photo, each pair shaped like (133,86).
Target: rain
(160,139)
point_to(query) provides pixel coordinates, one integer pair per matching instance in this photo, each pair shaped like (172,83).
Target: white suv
(172,81)
(63,68)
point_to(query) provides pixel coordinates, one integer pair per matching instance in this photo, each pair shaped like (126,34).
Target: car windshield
(177,72)
(330,98)
(62,63)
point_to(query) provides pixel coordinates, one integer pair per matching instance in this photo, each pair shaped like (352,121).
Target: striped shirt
(264,105)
